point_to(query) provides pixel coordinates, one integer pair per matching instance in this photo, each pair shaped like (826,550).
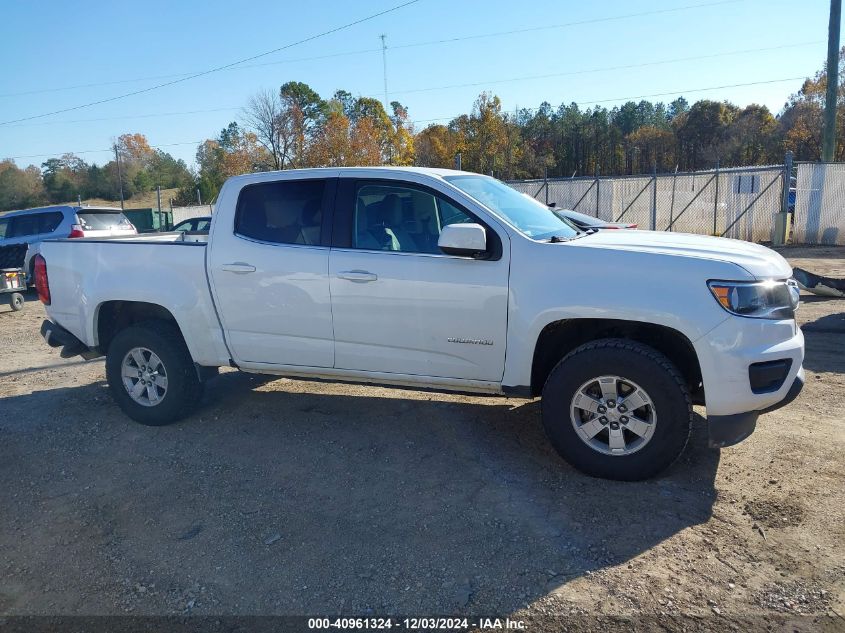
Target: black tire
(184,388)
(642,365)
(16,301)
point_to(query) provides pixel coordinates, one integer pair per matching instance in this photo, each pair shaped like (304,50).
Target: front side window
(401,218)
(4,227)
(282,212)
(529,216)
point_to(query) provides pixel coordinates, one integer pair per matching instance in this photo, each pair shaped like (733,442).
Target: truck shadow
(824,335)
(288,496)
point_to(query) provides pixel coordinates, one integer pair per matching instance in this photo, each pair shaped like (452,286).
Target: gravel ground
(298,497)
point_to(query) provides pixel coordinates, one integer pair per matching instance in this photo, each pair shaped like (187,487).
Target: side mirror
(463,240)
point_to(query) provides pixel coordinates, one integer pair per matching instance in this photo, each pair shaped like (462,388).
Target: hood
(759,261)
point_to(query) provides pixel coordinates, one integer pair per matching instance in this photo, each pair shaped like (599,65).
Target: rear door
(268,264)
(402,306)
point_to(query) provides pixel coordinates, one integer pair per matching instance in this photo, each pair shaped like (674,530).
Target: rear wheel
(16,301)
(617,409)
(151,374)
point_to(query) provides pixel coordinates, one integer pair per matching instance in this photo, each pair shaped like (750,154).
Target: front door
(402,306)
(269,271)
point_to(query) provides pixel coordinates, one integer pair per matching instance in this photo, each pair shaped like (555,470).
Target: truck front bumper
(727,430)
(748,367)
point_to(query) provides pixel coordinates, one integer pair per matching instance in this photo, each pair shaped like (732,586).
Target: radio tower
(384,69)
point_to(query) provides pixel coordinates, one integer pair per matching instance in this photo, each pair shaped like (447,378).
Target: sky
(440,55)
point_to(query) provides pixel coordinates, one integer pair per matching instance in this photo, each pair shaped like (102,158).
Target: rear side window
(283,212)
(102,220)
(4,227)
(49,222)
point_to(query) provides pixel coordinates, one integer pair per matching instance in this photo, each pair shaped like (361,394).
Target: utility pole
(158,198)
(829,132)
(119,175)
(384,69)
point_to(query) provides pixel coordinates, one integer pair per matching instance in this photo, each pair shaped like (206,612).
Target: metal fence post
(597,192)
(787,177)
(654,197)
(672,204)
(546,183)
(716,199)
(781,228)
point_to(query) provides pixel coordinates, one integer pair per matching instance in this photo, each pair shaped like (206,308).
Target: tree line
(295,127)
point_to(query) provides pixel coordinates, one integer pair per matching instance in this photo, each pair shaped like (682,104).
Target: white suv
(33,226)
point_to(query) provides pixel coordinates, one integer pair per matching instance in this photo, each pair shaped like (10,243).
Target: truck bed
(159,269)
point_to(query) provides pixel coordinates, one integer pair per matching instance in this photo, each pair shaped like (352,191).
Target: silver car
(33,226)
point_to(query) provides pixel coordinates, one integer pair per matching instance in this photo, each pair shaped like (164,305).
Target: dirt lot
(296,497)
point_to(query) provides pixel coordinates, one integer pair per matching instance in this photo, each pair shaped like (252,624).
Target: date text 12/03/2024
(417,624)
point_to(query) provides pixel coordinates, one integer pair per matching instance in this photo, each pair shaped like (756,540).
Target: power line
(433,88)
(549,27)
(606,68)
(657,94)
(449,118)
(100,151)
(189,75)
(186,74)
(218,68)
(128,116)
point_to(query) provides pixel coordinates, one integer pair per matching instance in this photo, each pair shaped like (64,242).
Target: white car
(444,280)
(33,226)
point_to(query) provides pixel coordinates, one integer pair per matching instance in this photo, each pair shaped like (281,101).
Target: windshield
(529,216)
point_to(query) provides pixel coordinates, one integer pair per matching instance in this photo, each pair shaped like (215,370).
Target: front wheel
(16,301)
(617,409)
(151,374)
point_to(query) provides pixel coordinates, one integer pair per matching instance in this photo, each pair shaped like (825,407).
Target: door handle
(358,276)
(239,268)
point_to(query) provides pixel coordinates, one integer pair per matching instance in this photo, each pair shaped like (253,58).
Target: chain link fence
(739,203)
(819,195)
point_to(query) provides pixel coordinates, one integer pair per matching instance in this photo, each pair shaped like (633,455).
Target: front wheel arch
(559,338)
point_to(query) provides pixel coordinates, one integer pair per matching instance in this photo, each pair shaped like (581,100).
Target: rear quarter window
(49,222)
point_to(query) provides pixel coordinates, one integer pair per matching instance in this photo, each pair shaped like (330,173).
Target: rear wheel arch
(559,338)
(112,317)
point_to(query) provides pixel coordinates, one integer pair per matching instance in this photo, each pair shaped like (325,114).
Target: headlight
(758,299)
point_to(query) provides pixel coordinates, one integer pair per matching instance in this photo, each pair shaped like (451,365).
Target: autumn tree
(20,188)
(271,124)
(436,146)
(800,122)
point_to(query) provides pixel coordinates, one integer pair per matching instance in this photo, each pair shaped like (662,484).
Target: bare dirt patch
(775,513)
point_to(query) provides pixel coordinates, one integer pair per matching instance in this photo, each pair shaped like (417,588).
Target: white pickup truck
(444,280)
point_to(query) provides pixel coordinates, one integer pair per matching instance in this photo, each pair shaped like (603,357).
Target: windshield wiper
(557,239)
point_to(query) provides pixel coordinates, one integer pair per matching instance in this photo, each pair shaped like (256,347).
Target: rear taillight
(42,284)
(76,231)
